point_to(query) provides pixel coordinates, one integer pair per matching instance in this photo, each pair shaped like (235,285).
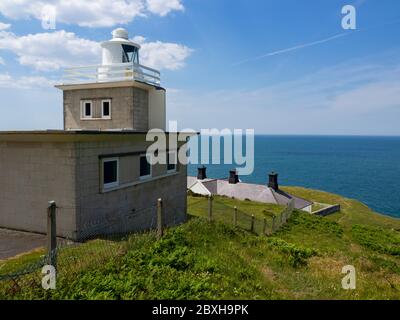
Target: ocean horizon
(365,168)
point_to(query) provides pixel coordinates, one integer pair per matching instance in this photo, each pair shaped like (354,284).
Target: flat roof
(79,135)
(107,84)
(104,132)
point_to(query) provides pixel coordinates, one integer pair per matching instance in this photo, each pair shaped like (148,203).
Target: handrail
(110,73)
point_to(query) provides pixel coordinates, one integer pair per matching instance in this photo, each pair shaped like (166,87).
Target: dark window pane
(129,54)
(110,172)
(106,109)
(88,109)
(144,167)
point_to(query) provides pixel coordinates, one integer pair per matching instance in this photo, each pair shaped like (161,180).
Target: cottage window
(171,161)
(87,109)
(106,109)
(110,173)
(145,167)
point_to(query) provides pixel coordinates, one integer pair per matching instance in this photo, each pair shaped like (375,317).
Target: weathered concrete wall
(130,208)
(69,172)
(328,211)
(157,109)
(31,174)
(129,109)
(140,110)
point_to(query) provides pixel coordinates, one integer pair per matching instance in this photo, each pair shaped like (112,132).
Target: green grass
(199,260)
(223,211)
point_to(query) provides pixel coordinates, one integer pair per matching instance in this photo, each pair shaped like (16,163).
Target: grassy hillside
(199,260)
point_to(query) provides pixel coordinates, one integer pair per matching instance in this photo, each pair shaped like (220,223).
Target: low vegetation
(199,260)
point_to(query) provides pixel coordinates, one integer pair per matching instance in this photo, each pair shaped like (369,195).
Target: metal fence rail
(109,73)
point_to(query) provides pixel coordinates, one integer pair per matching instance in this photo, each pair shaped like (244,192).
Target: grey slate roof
(253,192)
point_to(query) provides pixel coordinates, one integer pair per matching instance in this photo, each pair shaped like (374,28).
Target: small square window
(87,109)
(145,168)
(110,173)
(171,161)
(106,109)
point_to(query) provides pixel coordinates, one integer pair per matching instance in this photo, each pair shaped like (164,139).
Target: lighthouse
(120,49)
(120,58)
(96,169)
(118,94)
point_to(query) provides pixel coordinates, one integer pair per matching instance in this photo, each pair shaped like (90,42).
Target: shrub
(297,255)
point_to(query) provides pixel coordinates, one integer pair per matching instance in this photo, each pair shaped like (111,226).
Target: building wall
(31,174)
(129,108)
(157,109)
(140,109)
(127,208)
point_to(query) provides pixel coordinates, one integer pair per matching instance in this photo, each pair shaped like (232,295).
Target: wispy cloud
(356,97)
(25,82)
(4,26)
(298,47)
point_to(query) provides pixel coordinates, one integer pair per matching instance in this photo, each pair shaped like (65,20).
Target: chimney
(233,177)
(273,181)
(201,173)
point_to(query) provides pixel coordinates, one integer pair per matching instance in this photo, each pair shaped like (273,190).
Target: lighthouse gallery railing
(110,73)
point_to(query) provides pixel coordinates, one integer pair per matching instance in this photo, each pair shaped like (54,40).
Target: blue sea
(362,168)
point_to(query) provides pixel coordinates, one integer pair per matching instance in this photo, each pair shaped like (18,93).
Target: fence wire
(99,242)
(227,213)
(107,238)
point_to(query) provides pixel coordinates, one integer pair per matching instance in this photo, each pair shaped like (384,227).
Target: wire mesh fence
(220,209)
(100,241)
(96,243)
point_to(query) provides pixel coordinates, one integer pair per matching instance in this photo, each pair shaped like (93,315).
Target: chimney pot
(201,173)
(233,177)
(273,181)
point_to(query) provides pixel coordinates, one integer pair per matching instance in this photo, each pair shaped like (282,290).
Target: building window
(171,161)
(106,109)
(87,109)
(145,168)
(110,173)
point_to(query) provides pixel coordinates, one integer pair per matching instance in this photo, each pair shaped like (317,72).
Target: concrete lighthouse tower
(118,94)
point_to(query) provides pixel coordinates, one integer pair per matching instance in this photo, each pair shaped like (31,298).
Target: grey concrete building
(95,169)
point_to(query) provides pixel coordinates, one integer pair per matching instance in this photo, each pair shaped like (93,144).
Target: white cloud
(163,55)
(60,49)
(25,82)
(51,51)
(89,13)
(163,7)
(2,61)
(4,26)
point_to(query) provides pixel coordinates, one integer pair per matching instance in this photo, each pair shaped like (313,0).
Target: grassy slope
(200,260)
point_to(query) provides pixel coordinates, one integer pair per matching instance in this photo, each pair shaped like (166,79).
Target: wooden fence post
(273,224)
(265,227)
(160,230)
(52,234)
(235,216)
(252,223)
(210,200)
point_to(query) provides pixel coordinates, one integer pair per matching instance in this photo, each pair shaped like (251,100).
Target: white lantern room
(120,49)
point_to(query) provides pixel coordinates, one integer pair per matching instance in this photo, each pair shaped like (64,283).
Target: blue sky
(224,63)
